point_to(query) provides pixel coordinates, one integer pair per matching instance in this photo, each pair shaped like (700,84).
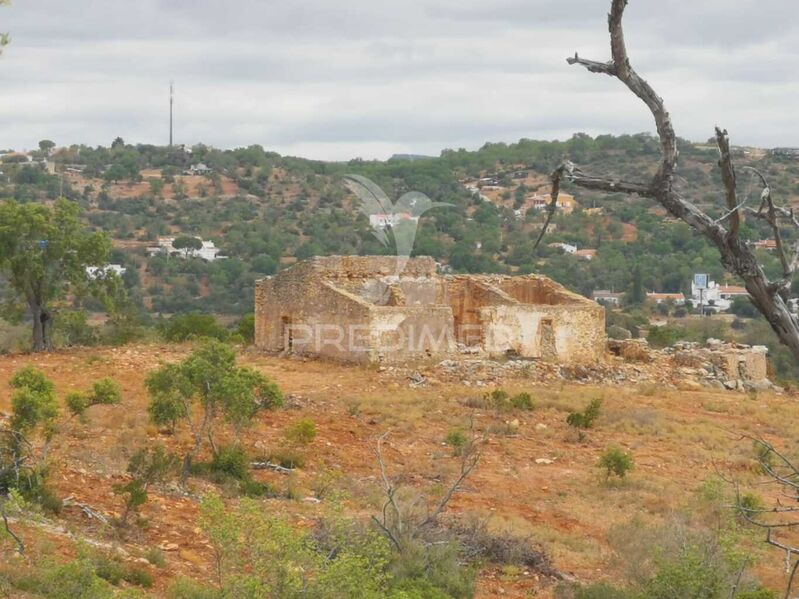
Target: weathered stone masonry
(357,308)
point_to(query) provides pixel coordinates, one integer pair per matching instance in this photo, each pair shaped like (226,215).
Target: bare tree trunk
(40,317)
(769,297)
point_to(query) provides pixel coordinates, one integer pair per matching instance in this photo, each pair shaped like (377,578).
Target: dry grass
(678,439)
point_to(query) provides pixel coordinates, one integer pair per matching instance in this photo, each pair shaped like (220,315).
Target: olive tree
(44,253)
(204,386)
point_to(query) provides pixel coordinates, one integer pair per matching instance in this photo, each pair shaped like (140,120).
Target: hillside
(265,211)
(537,479)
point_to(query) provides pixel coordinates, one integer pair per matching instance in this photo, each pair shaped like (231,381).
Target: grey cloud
(360,76)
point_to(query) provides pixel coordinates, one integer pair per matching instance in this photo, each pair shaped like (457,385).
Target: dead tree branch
(88,510)
(400,520)
(780,470)
(738,258)
(17,540)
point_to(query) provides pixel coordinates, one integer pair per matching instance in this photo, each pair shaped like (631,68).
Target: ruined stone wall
(297,312)
(410,332)
(389,309)
(566,334)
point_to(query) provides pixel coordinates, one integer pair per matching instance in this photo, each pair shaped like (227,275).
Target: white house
(604,296)
(566,247)
(659,298)
(98,272)
(208,252)
(383,221)
(198,169)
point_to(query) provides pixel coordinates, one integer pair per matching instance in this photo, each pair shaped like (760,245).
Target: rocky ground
(537,478)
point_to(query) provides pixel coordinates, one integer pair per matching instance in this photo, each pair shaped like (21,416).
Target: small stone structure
(385,309)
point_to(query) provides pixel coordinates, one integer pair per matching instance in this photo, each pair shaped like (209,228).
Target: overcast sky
(367,78)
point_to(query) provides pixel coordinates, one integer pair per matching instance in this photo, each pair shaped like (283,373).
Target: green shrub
(246,328)
(502,401)
(665,336)
(77,403)
(457,440)
(232,460)
(183,327)
(185,588)
(106,392)
(72,329)
(598,590)
(522,401)
(287,457)
(764,457)
(301,433)
(156,557)
(587,417)
(615,462)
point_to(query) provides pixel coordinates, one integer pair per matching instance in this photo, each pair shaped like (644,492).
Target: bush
(665,336)
(195,325)
(615,461)
(301,433)
(106,392)
(587,417)
(77,403)
(457,440)
(156,557)
(232,460)
(287,458)
(73,329)
(599,590)
(246,328)
(502,401)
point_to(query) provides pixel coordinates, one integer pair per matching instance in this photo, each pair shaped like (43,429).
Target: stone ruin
(387,309)
(733,366)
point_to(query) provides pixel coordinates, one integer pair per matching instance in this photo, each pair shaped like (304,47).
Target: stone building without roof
(387,309)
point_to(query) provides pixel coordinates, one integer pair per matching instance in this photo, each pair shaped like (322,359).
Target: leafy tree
(260,555)
(186,326)
(104,392)
(33,403)
(187,243)
(46,145)
(115,173)
(44,253)
(146,467)
(587,417)
(210,380)
(615,461)
(246,328)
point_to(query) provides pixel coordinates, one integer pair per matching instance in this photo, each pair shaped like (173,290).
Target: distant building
(383,221)
(717,298)
(786,152)
(585,254)
(198,169)
(732,291)
(208,252)
(566,247)
(99,272)
(766,244)
(604,296)
(565,203)
(659,298)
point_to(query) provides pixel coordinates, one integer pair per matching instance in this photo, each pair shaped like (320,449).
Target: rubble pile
(717,364)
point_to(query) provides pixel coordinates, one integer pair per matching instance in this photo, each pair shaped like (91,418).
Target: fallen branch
(20,544)
(88,510)
(270,466)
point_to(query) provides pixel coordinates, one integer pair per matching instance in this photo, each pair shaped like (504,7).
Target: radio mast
(171,109)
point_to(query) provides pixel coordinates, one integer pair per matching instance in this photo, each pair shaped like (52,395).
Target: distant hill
(266,211)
